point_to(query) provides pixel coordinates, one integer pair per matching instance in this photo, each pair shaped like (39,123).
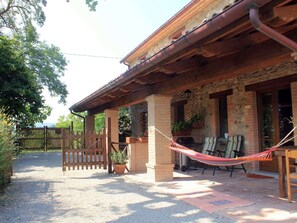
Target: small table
(280,154)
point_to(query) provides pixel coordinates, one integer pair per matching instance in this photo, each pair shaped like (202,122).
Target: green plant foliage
(27,64)
(119,157)
(65,122)
(92,4)
(17,14)
(124,121)
(196,117)
(182,125)
(20,91)
(6,151)
(100,122)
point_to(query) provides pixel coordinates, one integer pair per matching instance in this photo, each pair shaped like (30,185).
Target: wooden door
(274,113)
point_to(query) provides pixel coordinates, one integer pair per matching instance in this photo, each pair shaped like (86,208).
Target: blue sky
(115,29)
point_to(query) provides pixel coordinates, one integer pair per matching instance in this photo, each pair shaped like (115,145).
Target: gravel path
(39,192)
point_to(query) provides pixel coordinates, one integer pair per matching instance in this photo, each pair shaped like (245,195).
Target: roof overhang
(225,46)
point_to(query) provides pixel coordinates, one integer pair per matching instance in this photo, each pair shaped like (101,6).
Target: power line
(86,55)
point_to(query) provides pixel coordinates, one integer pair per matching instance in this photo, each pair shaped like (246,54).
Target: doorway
(275,112)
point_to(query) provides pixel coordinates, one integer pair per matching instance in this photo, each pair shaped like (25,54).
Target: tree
(15,15)
(28,64)
(20,93)
(92,4)
(46,61)
(37,64)
(65,122)
(124,121)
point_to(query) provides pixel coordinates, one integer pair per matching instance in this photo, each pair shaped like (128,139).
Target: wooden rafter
(266,54)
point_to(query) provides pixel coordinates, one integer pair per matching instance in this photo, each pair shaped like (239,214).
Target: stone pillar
(113,114)
(159,166)
(294,106)
(90,123)
(251,141)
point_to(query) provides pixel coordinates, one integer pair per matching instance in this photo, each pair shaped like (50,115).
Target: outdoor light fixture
(188,93)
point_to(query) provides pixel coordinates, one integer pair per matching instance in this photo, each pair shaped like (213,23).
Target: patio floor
(241,198)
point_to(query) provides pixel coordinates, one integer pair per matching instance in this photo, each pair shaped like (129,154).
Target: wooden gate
(43,138)
(84,151)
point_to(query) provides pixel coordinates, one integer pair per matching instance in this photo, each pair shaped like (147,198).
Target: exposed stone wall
(242,107)
(200,101)
(212,9)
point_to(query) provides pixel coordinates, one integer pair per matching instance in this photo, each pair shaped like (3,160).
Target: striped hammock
(221,161)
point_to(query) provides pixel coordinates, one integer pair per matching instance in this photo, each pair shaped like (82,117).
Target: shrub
(6,150)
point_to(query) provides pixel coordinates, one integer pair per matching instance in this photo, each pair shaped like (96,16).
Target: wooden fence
(83,151)
(43,138)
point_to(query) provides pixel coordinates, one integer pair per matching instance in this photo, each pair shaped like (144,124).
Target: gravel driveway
(39,192)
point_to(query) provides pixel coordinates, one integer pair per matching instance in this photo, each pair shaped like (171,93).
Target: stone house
(237,61)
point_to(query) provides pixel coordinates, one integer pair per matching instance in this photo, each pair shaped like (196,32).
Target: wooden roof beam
(229,46)
(184,65)
(264,55)
(281,15)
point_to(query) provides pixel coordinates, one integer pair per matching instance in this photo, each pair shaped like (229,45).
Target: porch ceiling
(229,51)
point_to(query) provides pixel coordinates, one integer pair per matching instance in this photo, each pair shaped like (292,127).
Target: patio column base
(160,172)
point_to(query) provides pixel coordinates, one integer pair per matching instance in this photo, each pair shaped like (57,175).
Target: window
(223,115)
(143,123)
(179,113)
(178,109)
(222,110)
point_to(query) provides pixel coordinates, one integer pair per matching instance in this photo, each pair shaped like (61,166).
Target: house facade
(233,62)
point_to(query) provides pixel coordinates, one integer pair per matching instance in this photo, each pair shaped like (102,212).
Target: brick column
(251,142)
(159,166)
(113,114)
(294,106)
(90,123)
(132,157)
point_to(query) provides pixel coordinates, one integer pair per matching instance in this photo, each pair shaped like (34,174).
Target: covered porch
(226,63)
(242,199)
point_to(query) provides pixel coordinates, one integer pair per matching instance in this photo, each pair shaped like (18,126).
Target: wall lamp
(188,94)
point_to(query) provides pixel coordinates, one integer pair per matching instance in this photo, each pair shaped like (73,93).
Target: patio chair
(209,147)
(291,154)
(233,150)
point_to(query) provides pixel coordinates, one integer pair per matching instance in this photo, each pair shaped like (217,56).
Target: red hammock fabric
(221,161)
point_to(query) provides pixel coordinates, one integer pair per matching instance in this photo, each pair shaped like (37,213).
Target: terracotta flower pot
(119,168)
(182,132)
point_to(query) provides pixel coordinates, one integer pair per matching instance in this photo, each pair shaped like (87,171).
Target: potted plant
(197,121)
(119,159)
(181,128)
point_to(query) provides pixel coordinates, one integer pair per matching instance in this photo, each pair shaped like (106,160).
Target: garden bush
(6,150)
